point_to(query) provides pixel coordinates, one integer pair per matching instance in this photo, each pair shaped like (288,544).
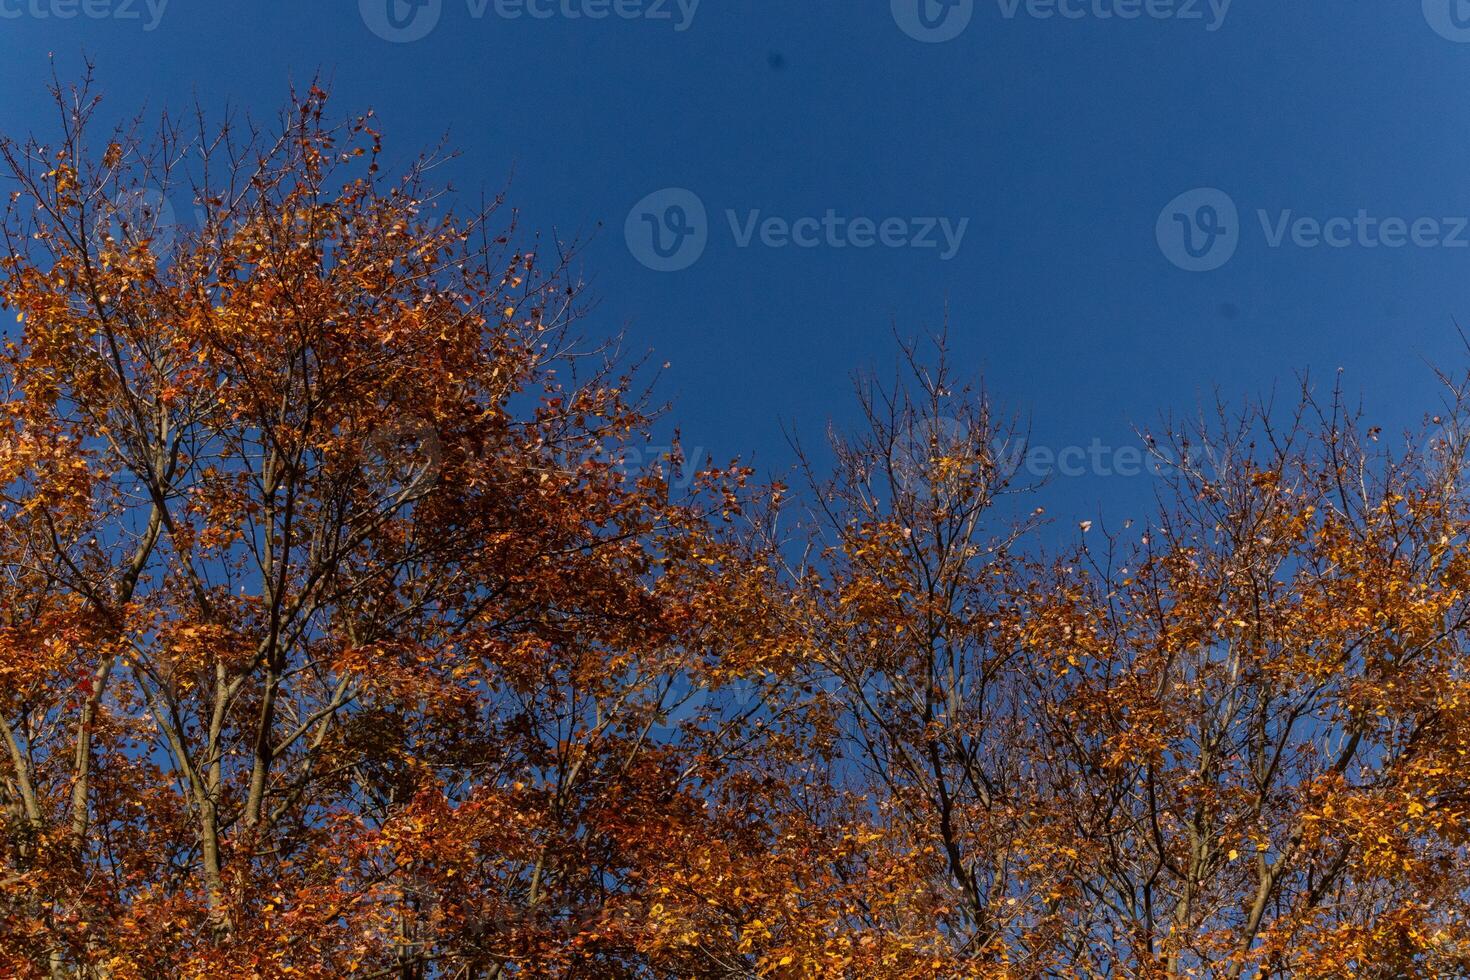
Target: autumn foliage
(340,636)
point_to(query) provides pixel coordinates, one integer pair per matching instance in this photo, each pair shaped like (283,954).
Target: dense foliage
(342,635)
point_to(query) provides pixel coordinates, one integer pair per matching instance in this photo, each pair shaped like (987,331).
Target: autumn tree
(903,592)
(1219,741)
(339,637)
(1260,707)
(341,634)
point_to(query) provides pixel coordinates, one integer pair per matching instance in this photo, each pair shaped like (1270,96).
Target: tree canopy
(345,632)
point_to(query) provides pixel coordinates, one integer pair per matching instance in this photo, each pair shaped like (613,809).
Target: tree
(1261,705)
(342,633)
(1223,743)
(338,638)
(902,611)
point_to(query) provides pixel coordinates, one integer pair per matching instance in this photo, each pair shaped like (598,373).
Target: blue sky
(1060,152)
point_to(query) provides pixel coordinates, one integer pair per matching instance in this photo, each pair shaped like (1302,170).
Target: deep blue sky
(1059,140)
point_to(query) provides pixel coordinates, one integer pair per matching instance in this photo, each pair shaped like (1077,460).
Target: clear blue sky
(1059,139)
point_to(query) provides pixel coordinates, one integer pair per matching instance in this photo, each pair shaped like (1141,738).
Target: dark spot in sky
(776,60)
(1229,311)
